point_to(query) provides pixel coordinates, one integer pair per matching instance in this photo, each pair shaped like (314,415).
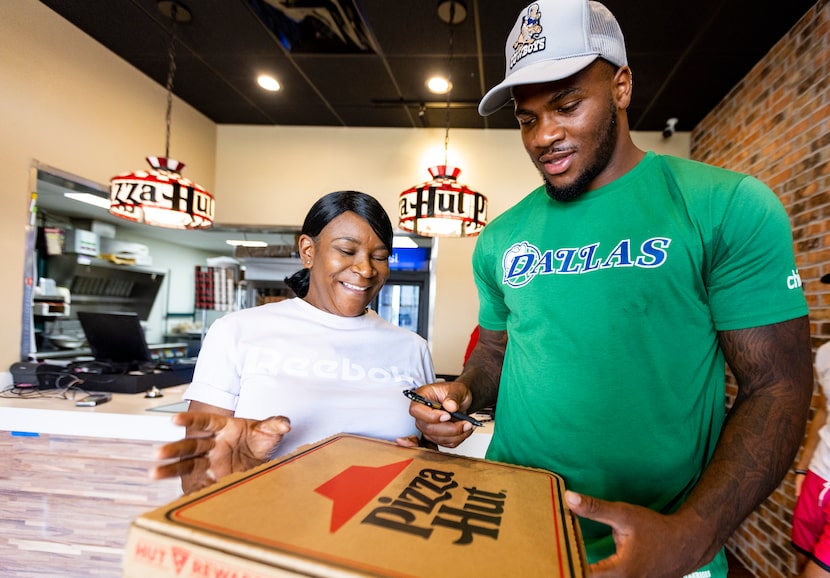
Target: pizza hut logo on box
(431,499)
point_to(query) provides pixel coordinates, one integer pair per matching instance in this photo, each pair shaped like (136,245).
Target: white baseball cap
(552,40)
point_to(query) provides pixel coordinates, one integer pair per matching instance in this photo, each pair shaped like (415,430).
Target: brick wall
(775,125)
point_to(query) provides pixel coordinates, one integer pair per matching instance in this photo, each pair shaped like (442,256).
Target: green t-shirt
(612,302)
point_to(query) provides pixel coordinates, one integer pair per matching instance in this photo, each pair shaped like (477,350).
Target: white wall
(68,102)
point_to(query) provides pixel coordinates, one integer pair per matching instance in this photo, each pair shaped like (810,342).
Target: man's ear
(623,85)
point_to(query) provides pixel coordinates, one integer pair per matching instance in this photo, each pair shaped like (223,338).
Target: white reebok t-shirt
(326,373)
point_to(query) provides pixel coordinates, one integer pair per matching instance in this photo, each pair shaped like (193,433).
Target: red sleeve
(471,345)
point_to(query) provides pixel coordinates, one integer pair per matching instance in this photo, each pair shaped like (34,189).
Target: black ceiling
(686,55)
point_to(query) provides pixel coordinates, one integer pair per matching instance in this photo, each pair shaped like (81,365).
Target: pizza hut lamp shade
(161,197)
(442,207)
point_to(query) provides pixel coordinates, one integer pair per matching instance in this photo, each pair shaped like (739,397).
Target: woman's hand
(217,445)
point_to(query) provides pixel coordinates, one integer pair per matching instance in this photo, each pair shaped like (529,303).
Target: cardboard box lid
(351,506)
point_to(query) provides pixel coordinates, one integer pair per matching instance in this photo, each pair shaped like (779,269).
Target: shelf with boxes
(216,285)
(229,284)
(49,300)
(264,270)
(264,278)
(254,276)
(103,244)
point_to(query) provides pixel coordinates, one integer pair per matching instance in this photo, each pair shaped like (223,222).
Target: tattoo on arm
(773,368)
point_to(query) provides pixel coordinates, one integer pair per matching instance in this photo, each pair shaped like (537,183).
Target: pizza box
(356,506)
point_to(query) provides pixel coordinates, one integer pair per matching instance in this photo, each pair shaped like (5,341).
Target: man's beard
(606,142)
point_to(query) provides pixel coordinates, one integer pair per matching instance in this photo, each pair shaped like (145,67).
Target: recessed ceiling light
(268,82)
(439,85)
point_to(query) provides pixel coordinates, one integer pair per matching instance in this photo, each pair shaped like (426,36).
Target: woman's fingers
(186,448)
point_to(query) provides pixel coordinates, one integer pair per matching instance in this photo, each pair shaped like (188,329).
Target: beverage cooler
(405,298)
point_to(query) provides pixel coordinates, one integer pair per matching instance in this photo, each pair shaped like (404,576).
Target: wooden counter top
(126,416)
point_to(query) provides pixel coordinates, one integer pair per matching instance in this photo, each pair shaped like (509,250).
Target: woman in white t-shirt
(275,377)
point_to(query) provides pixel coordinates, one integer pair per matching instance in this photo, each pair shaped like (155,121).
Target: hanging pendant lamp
(443,207)
(160,196)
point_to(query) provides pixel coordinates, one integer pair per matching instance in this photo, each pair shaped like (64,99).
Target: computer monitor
(116,338)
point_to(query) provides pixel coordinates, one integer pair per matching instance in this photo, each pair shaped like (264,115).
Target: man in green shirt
(611,299)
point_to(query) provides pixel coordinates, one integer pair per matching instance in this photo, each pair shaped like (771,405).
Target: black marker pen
(410,393)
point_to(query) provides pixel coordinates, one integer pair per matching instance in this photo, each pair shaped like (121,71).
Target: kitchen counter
(134,417)
(126,416)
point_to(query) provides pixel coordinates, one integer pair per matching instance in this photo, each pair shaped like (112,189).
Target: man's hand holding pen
(440,425)
(414,396)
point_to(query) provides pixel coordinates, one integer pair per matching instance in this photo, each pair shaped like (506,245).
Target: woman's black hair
(328,208)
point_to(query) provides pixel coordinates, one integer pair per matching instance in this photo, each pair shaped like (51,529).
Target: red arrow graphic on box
(355,487)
